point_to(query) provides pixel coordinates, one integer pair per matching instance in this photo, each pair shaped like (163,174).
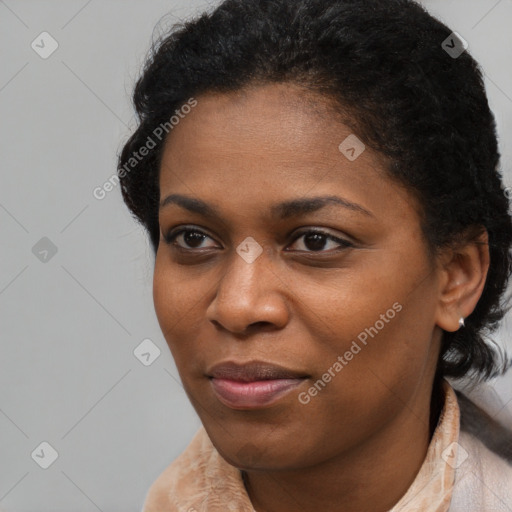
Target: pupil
(315,241)
(192,237)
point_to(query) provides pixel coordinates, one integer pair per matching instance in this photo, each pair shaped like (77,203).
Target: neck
(372,476)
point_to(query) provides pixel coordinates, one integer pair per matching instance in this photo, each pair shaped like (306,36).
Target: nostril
(259,325)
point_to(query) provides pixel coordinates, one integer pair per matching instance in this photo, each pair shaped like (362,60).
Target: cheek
(378,366)
(179,301)
(365,389)
(163,298)
(171,299)
(379,328)
(346,309)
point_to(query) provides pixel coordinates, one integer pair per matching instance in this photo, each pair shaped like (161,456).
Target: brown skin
(358,444)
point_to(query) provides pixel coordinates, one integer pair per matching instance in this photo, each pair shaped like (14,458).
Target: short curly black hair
(387,64)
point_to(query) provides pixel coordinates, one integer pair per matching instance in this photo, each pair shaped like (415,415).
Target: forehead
(269,141)
(278,124)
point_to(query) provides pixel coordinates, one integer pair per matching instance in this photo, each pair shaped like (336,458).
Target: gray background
(70,323)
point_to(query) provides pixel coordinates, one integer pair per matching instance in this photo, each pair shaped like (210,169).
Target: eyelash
(171,237)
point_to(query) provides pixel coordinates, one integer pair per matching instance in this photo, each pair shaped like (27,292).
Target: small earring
(461,322)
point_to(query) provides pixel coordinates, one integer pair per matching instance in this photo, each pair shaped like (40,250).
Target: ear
(462,279)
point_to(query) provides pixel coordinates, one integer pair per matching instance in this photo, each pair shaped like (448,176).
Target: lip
(252,385)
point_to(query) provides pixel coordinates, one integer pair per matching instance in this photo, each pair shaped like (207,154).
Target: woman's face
(339,293)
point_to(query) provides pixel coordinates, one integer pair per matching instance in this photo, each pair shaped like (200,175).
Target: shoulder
(483,479)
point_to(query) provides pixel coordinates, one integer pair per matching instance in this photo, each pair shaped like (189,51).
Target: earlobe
(463,275)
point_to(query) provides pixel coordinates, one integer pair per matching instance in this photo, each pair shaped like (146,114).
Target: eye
(193,238)
(315,241)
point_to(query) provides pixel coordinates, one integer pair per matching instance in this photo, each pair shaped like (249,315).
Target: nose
(250,295)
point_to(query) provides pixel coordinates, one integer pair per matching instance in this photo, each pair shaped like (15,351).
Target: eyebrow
(284,210)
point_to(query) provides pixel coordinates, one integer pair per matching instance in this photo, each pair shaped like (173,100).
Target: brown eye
(191,238)
(315,241)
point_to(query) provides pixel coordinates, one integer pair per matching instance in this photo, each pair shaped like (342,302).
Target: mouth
(252,385)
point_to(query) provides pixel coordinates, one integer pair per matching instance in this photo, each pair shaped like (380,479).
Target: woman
(319,180)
